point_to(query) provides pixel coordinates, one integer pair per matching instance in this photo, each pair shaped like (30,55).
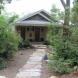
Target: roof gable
(36,17)
(42,14)
(45,14)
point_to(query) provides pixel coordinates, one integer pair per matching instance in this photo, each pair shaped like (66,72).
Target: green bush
(46,42)
(66,49)
(26,44)
(8,40)
(2,63)
(20,45)
(65,41)
(62,66)
(12,42)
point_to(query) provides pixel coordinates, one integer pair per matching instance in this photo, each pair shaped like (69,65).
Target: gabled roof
(26,21)
(32,14)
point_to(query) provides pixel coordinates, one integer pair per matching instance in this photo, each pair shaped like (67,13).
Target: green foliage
(24,44)
(74,15)
(66,48)
(54,33)
(75,1)
(1,7)
(12,42)
(65,41)
(12,18)
(74,35)
(56,15)
(2,63)
(62,66)
(46,42)
(2,2)
(7,36)
(8,40)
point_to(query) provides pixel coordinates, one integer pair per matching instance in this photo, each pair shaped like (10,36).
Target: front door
(23,33)
(37,34)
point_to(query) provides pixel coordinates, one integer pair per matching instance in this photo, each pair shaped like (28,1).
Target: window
(30,28)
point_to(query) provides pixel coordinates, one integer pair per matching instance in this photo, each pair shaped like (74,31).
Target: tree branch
(68,3)
(63,3)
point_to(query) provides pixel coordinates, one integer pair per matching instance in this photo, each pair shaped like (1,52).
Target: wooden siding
(36,17)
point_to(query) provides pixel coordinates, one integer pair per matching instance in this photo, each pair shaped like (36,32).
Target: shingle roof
(23,21)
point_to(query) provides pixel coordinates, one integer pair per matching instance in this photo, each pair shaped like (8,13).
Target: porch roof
(32,23)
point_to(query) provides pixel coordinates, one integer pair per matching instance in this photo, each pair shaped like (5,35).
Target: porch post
(40,33)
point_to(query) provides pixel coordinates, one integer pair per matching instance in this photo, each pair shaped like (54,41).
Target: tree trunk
(67,11)
(65,35)
(67,16)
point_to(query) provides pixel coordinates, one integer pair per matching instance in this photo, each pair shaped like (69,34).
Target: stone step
(39,46)
(32,68)
(28,74)
(2,77)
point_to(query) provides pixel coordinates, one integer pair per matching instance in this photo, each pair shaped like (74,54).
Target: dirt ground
(20,59)
(13,66)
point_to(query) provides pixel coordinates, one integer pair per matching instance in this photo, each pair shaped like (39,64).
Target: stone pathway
(32,68)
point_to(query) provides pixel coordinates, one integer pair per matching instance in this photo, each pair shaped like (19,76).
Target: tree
(2,2)
(8,40)
(55,14)
(13,18)
(74,16)
(65,42)
(67,11)
(5,1)
(75,1)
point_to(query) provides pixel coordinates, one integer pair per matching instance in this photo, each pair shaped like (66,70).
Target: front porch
(32,33)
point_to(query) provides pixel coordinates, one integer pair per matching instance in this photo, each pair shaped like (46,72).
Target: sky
(28,6)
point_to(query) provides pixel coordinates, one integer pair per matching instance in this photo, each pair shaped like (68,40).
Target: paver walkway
(32,68)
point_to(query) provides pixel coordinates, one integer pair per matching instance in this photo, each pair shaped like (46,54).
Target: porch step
(37,43)
(40,46)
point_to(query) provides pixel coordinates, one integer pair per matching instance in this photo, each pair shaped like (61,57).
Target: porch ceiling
(32,23)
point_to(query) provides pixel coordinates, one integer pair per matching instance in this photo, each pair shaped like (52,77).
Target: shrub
(65,41)
(66,47)
(26,44)
(2,63)
(12,42)
(20,45)
(8,40)
(46,42)
(60,65)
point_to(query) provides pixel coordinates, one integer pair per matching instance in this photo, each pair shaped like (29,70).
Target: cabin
(33,27)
